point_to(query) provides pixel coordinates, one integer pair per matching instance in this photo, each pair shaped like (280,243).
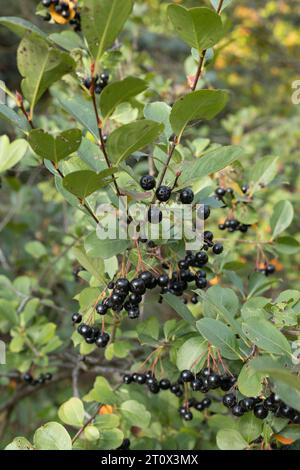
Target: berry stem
(89,421)
(176,139)
(101,142)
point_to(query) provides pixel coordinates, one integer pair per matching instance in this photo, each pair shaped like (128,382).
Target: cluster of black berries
(222,192)
(261,407)
(100,82)
(93,335)
(163,194)
(127,295)
(42,378)
(268,269)
(67,12)
(203,382)
(233,225)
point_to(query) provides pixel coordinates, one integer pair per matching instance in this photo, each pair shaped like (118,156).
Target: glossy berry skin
(201,283)
(147,277)
(174,388)
(203,212)
(141,379)
(197,384)
(260,412)
(154,388)
(247,404)
(186,196)
(245,188)
(201,258)
(163,193)
(27,377)
(123,284)
(220,192)
(218,249)
(101,309)
(199,406)
(138,286)
(206,402)
(133,313)
(270,269)
(237,410)
(163,280)
(194,300)
(188,416)
(155,215)
(225,384)
(135,299)
(214,381)
(147,182)
(127,379)
(164,384)
(46,3)
(84,330)
(102,340)
(229,400)
(187,376)
(76,318)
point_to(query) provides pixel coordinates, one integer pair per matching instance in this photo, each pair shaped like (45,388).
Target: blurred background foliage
(258,62)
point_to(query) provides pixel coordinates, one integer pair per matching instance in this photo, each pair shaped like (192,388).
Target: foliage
(69,149)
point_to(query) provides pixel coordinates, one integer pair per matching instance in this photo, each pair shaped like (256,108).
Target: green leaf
(20,27)
(52,436)
(36,249)
(211,162)
(91,433)
(200,27)
(119,92)
(40,65)
(282,217)
(132,137)
(266,336)
(19,443)
(246,214)
(220,336)
(192,354)
(250,427)
(85,182)
(55,148)
(148,330)
(8,312)
(102,21)
(287,245)
(111,439)
(101,393)
(263,172)
(93,266)
(95,247)
(179,307)
(198,105)
(72,412)
(11,153)
(276,372)
(135,414)
(250,381)
(107,422)
(230,439)
(160,112)
(16,120)
(287,394)
(82,110)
